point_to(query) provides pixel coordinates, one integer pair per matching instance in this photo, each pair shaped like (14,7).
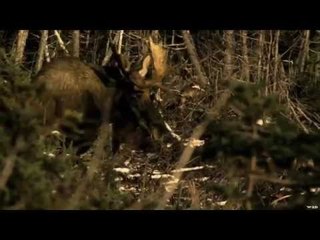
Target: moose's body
(70,84)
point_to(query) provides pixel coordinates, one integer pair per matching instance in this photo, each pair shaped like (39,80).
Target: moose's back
(68,83)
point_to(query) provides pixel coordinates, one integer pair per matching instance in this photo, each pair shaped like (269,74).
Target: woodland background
(250,99)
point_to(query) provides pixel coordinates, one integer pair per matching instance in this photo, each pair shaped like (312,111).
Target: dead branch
(194,57)
(9,163)
(297,117)
(60,41)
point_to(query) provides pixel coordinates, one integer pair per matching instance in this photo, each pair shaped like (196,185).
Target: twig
(297,118)
(109,50)
(9,163)
(280,199)
(306,117)
(60,41)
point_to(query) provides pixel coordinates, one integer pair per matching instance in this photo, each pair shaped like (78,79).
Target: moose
(113,93)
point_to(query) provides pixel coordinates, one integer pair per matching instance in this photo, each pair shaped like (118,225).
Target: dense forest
(160,119)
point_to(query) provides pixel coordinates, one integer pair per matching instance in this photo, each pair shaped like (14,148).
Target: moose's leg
(105,134)
(107,105)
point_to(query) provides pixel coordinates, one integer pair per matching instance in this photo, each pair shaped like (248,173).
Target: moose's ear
(119,61)
(114,61)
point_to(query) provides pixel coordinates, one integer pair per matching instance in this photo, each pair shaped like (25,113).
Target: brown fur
(70,84)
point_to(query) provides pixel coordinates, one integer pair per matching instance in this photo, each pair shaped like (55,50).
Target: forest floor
(141,173)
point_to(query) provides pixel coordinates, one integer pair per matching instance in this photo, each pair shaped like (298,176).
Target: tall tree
(276,60)
(304,50)
(245,64)
(20,47)
(76,43)
(228,55)
(260,52)
(41,50)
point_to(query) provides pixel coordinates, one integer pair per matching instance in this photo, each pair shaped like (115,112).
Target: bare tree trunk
(120,42)
(108,53)
(268,62)
(245,65)
(21,44)
(304,49)
(260,53)
(194,57)
(276,60)
(41,50)
(94,48)
(228,57)
(76,43)
(173,37)
(87,38)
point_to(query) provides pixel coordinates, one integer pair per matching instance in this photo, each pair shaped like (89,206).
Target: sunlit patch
(156,172)
(118,179)
(187,169)
(158,97)
(194,143)
(56,133)
(122,170)
(265,121)
(161,176)
(203,179)
(197,87)
(127,189)
(132,176)
(127,162)
(259,122)
(220,204)
(49,154)
(170,186)
(315,190)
